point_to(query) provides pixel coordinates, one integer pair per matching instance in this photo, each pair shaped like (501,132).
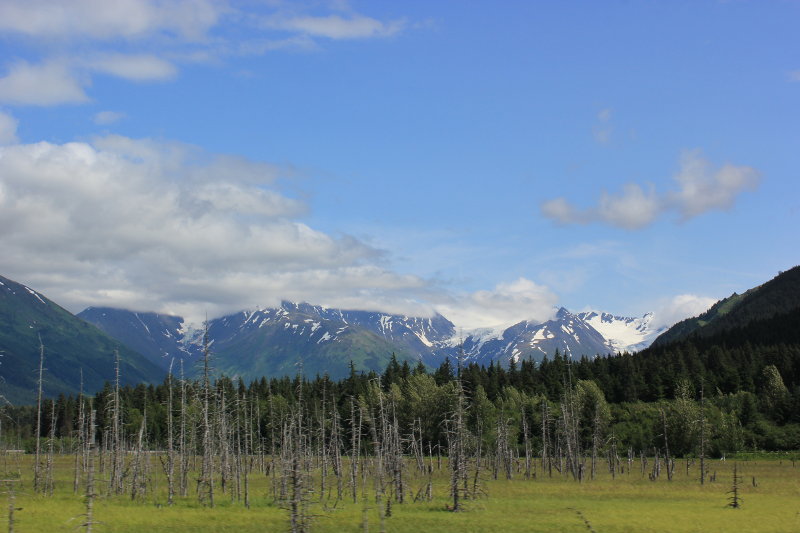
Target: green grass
(629,503)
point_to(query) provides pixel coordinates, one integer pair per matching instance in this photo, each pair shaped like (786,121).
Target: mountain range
(315,340)
(299,337)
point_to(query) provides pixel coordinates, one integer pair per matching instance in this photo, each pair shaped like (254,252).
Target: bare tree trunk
(547,461)
(667,458)
(51,440)
(702,438)
(138,478)
(81,444)
(457,437)
(322,447)
(205,485)
(170,466)
(37,465)
(117,454)
(355,446)
(12,495)
(90,494)
(527,443)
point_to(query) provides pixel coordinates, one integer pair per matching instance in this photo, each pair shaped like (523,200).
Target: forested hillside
(75,352)
(744,380)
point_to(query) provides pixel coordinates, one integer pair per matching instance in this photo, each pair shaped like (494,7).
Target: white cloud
(671,311)
(139,67)
(794,75)
(101,19)
(166,227)
(633,209)
(336,26)
(46,84)
(62,81)
(505,305)
(147,40)
(561,211)
(8,129)
(699,190)
(104,118)
(702,190)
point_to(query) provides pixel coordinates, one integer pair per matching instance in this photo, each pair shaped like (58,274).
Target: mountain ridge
(273,341)
(74,349)
(776,297)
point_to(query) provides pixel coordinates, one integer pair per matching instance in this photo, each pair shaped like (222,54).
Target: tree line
(385,434)
(752,394)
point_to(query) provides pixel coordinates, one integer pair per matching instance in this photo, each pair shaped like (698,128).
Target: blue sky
(487,161)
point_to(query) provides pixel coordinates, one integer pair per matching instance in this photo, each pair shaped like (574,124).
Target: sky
(488,161)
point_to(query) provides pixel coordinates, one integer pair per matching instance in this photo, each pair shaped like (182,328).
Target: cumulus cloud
(49,83)
(8,129)
(168,227)
(698,189)
(680,307)
(701,189)
(503,306)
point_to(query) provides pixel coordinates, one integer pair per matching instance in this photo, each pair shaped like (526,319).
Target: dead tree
(667,458)
(138,468)
(571,437)
(117,453)
(336,451)
(294,460)
(735,501)
(457,441)
(205,483)
(51,440)
(168,463)
(90,491)
(702,437)
(503,458)
(37,465)
(547,462)
(80,445)
(355,447)
(527,443)
(11,492)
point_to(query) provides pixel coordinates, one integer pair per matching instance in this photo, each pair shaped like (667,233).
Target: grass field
(629,503)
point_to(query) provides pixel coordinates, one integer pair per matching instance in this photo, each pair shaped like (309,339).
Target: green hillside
(71,345)
(779,296)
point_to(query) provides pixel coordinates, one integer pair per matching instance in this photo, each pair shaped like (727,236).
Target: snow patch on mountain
(625,334)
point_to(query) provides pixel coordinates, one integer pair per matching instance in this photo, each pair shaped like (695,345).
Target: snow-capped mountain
(625,334)
(414,335)
(278,341)
(566,333)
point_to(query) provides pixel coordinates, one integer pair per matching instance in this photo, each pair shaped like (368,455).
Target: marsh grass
(628,503)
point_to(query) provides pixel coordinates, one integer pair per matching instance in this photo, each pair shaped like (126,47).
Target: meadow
(628,502)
